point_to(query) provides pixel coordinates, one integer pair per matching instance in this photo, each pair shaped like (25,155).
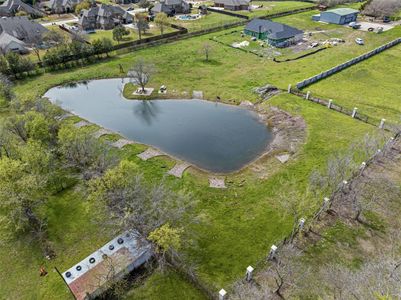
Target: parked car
(359,41)
(354,25)
(386,19)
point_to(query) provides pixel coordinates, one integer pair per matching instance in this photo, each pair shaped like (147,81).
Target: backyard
(237,225)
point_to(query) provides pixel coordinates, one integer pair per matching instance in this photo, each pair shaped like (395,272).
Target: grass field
(133,34)
(208,21)
(274,7)
(238,224)
(373,86)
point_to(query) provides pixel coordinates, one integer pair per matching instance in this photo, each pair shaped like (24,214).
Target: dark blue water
(213,136)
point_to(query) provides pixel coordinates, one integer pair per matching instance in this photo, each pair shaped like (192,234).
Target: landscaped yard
(236,226)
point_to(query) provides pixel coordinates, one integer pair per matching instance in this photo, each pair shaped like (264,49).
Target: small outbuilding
(233,4)
(338,16)
(91,277)
(276,34)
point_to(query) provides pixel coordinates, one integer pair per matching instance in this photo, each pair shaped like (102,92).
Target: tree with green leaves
(141,24)
(86,4)
(24,191)
(102,46)
(18,64)
(161,21)
(119,32)
(154,212)
(84,152)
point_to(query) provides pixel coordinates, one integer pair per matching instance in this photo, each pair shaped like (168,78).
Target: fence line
(354,113)
(347,64)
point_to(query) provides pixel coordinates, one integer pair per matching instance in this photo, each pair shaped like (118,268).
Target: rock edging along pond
(215,137)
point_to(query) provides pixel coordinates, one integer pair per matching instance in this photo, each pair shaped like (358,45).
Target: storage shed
(89,278)
(338,16)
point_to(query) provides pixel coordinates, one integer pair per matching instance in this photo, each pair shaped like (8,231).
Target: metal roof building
(90,277)
(338,16)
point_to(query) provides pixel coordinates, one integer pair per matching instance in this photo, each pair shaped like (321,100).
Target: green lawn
(208,21)
(274,7)
(238,224)
(373,86)
(133,34)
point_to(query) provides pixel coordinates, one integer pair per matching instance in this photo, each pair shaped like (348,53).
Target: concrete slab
(366,25)
(149,153)
(178,169)
(81,124)
(148,92)
(121,143)
(101,132)
(283,158)
(197,95)
(217,183)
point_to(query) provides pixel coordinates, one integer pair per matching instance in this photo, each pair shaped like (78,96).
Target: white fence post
(382,122)
(307,95)
(289,88)
(222,294)
(354,112)
(330,103)
(249,273)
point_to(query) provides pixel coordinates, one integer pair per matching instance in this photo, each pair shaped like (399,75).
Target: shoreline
(265,117)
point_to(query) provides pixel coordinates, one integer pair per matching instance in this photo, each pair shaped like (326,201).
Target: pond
(212,136)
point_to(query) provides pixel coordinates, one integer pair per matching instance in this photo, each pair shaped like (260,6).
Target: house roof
(118,257)
(233,2)
(275,31)
(8,41)
(342,11)
(12,6)
(21,28)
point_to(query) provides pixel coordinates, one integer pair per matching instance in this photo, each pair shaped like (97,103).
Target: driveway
(366,25)
(61,22)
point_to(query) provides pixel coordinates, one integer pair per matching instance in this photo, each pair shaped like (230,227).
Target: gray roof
(233,2)
(344,11)
(10,7)
(22,28)
(276,31)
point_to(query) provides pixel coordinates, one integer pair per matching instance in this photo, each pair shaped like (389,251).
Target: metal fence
(347,64)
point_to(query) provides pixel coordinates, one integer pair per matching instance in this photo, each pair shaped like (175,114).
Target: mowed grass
(372,85)
(238,225)
(133,34)
(210,20)
(274,7)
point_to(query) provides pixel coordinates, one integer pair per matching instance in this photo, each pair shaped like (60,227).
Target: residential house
(338,16)
(276,34)
(103,17)
(10,8)
(91,277)
(18,33)
(171,7)
(62,6)
(232,4)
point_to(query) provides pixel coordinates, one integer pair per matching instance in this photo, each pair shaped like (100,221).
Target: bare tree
(382,8)
(244,290)
(206,50)
(141,73)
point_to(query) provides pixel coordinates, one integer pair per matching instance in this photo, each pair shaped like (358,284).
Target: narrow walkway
(178,169)
(121,143)
(81,124)
(149,153)
(101,132)
(217,183)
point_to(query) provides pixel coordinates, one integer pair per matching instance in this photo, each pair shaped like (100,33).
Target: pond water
(212,136)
